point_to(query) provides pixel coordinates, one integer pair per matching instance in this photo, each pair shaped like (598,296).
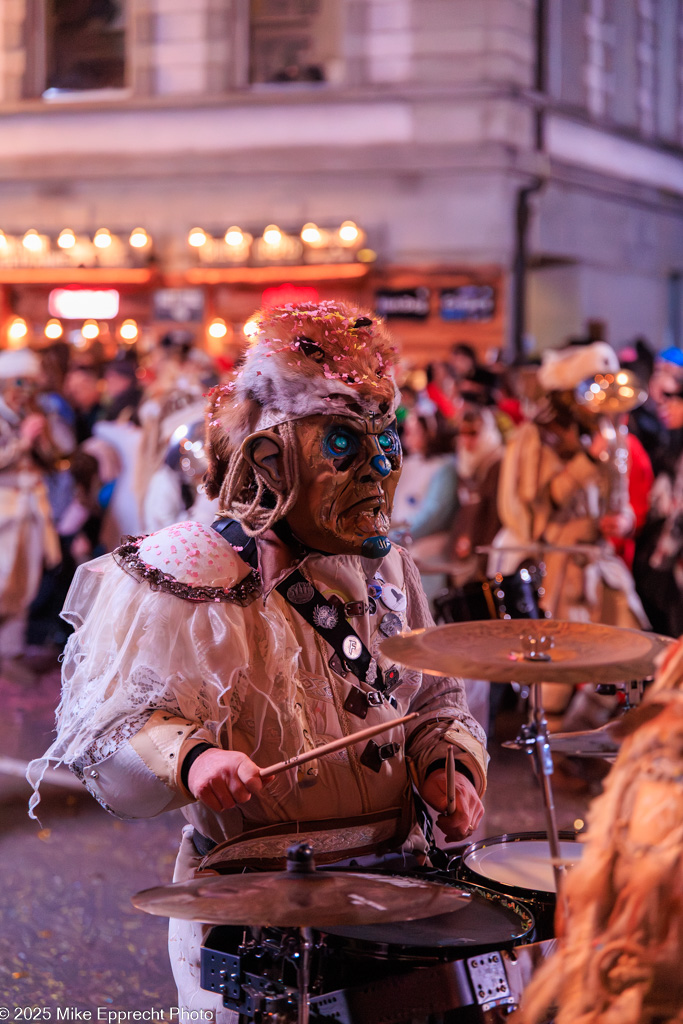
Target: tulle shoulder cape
(171,621)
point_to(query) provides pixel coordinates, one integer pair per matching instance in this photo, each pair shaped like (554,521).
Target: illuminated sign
(182,305)
(83,304)
(469,302)
(408,303)
(288,293)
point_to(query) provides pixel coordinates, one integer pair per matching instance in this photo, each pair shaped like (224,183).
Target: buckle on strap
(373,757)
(358,702)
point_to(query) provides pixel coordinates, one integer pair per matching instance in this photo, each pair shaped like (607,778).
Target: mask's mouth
(367,516)
(372,504)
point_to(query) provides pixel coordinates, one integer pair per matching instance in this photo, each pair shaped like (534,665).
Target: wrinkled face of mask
(348,471)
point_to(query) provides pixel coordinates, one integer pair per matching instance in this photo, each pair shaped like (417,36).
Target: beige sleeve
(142,777)
(163,743)
(579,471)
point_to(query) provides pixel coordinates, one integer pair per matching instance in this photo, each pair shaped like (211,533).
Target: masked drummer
(203,655)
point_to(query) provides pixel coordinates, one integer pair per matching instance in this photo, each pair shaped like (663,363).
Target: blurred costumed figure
(559,486)
(28,540)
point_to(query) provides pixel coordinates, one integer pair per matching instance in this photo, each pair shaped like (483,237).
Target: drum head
(487,922)
(518,863)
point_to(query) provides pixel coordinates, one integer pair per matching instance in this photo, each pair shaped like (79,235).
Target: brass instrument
(608,396)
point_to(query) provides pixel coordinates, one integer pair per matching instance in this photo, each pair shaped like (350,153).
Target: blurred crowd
(94,446)
(522,495)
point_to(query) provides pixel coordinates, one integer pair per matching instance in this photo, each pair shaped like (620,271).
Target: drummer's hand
(223,778)
(469,809)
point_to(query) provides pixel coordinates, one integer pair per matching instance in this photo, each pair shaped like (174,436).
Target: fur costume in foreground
(619,961)
(306,360)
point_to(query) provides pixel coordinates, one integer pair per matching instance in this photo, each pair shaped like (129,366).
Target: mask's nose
(381,465)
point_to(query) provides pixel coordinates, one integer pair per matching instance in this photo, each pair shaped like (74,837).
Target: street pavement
(70,941)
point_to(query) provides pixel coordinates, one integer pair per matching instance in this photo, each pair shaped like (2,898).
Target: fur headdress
(305,360)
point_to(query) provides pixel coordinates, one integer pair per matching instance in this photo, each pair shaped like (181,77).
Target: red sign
(286,294)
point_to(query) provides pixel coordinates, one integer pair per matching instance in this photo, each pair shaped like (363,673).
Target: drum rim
(517,892)
(521,910)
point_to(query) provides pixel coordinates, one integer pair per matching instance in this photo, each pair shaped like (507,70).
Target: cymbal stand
(303,974)
(534,739)
(300,861)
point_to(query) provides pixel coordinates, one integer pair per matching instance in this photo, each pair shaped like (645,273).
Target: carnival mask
(348,471)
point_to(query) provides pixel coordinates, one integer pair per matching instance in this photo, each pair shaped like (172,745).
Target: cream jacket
(179,642)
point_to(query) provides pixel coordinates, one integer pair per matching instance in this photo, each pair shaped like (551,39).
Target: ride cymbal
(317,899)
(529,651)
(599,743)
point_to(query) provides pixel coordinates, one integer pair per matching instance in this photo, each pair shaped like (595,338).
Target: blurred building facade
(510,167)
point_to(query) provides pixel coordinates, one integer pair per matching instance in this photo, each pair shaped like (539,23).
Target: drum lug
(489,981)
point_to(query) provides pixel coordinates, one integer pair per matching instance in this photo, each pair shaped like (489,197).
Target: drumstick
(329,748)
(450,781)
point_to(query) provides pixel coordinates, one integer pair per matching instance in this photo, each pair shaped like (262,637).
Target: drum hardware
(588,743)
(267,977)
(536,736)
(468,961)
(514,596)
(631,691)
(479,983)
(496,650)
(605,741)
(299,898)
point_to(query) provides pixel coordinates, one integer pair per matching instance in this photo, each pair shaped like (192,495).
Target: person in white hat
(202,655)
(555,485)
(28,540)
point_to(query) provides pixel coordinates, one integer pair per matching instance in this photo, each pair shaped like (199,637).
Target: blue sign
(469,302)
(408,303)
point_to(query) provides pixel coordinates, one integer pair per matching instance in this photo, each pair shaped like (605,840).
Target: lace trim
(127,556)
(104,746)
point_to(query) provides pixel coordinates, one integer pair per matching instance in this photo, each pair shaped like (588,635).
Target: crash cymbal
(319,899)
(552,651)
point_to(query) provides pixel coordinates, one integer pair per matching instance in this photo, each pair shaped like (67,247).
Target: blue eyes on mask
(388,442)
(340,443)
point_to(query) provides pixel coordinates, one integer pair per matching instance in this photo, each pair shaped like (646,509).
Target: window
(293,40)
(74,46)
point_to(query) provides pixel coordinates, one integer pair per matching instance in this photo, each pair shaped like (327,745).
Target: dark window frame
(37,47)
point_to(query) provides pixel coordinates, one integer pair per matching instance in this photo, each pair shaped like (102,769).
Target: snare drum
(503,597)
(457,965)
(519,866)
(489,921)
